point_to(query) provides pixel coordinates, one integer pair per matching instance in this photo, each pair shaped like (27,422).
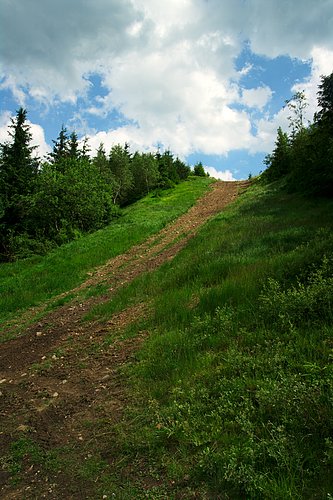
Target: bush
(303,303)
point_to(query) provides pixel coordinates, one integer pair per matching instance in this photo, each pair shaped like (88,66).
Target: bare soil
(60,378)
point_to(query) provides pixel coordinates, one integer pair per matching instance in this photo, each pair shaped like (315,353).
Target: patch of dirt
(60,376)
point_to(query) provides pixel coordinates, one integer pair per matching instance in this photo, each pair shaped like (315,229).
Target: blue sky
(207,79)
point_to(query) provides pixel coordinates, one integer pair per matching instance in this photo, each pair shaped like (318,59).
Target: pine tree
(199,170)
(182,169)
(101,162)
(18,172)
(73,146)
(278,162)
(60,148)
(325,102)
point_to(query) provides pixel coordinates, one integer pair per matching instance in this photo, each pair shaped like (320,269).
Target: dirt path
(61,374)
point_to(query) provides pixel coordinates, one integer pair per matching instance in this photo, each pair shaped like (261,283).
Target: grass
(232,392)
(238,366)
(29,282)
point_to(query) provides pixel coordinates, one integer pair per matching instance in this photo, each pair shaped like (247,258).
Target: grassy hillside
(233,387)
(230,395)
(30,282)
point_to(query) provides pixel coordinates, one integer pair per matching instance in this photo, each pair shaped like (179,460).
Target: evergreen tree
(306,159)
(101,162)
(73,146)
(167,169)
(182,169)
(199,170)
(18,172)
(324,117)
(278,162)
(60,149)
(84,153)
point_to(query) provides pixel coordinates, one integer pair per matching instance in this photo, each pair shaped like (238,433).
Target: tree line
(48,202)
(304,157)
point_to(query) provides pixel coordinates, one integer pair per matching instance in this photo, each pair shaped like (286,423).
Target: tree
(73,146)
(101,162)
(60,149)
(324,116)
(119,160)
(297,105)
(70,202)
(306,159)
(167,169)
(18,172)
(278,162)
(199,170)
(182,169)
(85,150)
(145,172)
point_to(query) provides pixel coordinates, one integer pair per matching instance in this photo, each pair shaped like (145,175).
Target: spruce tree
(199,170)
(61,149)
(324,117)
(18,172)
(278,162)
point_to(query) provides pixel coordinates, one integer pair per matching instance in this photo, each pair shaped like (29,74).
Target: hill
(193,364)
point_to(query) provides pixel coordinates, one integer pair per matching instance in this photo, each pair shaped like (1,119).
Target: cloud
(225,175)
(5,117)
(273,27)
(256,98)
(38,139)
(49,47)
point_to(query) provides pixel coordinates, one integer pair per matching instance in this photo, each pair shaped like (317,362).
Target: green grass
(232,393)
(32,281)
(237,370)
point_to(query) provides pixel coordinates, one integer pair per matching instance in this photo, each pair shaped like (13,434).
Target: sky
(206,79)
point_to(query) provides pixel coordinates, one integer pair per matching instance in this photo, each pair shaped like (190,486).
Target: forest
(45,203)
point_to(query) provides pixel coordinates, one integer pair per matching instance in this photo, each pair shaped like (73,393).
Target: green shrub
(302,303)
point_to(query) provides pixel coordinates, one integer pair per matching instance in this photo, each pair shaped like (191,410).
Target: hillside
(194,363)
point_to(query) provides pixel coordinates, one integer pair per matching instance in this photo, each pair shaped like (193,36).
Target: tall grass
(238,366)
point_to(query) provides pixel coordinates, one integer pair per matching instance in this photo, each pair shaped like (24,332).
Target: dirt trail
(60,374)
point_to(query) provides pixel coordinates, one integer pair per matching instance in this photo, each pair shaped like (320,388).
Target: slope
(59,374)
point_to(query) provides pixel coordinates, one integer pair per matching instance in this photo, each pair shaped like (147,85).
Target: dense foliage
(305,157)
(43,204)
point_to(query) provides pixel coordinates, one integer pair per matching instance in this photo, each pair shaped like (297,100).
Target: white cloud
(226,175)
(256,98)
(38,139)
(5,117)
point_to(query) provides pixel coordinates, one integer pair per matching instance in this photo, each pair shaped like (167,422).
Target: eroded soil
(60,379)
